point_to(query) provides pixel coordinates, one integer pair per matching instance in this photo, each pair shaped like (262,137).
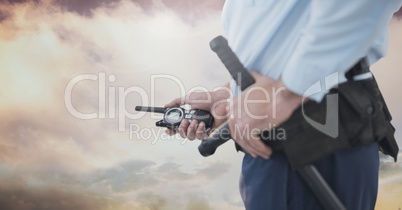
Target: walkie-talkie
(174,115)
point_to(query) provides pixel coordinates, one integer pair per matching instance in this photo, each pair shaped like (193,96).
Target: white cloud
(42,48)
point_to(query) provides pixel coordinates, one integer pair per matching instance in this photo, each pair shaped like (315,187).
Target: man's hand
(214,102)
(263,105)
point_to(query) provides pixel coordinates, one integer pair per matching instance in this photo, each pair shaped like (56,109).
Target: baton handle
(236,69)
(209,145)
(243,79)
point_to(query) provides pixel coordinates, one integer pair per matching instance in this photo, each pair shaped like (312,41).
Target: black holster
(363,118)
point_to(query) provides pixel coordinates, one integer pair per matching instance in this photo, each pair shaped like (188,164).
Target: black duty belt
(363,118)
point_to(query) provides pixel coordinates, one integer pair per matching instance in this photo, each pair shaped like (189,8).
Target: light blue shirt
(304,42)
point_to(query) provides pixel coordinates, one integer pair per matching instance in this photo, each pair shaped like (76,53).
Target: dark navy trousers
(272,184)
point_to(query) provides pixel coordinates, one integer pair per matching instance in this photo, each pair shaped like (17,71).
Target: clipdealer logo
(108,96)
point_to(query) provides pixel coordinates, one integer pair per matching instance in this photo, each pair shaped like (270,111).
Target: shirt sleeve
(338,34)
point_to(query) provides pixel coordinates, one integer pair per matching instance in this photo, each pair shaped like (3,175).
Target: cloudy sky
(115,50)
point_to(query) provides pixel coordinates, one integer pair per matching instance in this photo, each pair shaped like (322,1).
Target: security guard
(293,45)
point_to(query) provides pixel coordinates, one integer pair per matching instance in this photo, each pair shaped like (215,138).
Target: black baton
(243,78)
